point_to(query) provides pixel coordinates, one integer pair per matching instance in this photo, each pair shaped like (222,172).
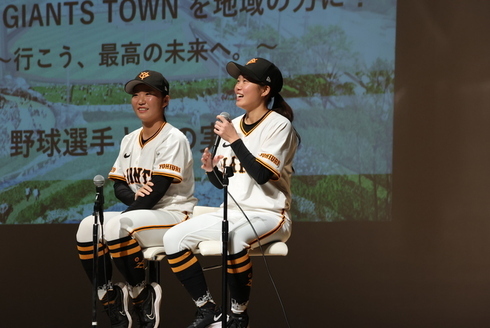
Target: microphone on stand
(218,138)
(99,196)
(224,232)
(98,222)
(99,183)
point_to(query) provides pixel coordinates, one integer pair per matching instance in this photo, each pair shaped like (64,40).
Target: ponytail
(282,107)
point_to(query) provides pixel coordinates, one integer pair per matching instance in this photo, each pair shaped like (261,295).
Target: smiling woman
(256,160)
(149,105)
(154,177)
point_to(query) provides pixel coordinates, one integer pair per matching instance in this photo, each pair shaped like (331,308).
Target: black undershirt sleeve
(257,171)
(123,192)
(216,178)
(160,187)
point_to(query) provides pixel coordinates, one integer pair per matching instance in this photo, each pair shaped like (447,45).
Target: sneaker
(206,316)
(147,311)
(238,320)
(115,303)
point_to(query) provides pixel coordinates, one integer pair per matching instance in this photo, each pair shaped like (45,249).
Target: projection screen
(63,111)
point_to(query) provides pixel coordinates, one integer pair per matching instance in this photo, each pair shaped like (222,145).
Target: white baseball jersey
(166,153)
(273,142)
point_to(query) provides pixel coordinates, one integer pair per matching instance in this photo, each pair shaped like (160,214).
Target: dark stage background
(428,267)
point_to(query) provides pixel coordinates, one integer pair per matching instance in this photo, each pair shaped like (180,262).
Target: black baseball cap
(151,78)
(258,70)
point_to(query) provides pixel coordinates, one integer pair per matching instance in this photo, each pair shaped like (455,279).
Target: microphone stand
(224,236)
(98,217)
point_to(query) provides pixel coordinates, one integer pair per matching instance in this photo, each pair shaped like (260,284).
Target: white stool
(208,248)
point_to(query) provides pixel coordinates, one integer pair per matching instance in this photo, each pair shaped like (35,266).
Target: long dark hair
(279,105)
(282,107)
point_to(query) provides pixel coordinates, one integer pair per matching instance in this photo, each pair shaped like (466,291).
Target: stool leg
(154,272)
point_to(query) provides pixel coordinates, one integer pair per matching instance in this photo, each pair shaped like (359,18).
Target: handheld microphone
(218,138)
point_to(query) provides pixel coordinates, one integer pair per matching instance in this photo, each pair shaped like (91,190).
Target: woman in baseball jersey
(153,175)
(259,147)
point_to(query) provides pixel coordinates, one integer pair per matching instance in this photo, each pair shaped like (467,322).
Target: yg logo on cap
(143,75)
(252,61)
